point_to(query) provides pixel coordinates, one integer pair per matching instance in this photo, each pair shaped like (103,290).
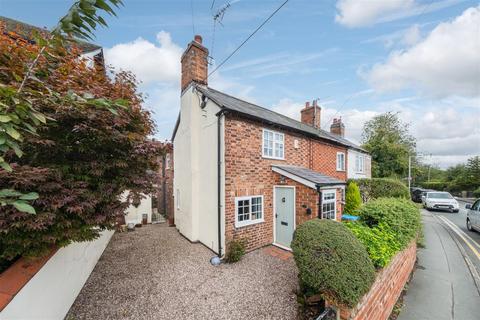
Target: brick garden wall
(378,303)
(247,173)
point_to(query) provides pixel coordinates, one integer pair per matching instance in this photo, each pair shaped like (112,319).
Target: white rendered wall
(135,214)
(52,291)
(351,172)
(195,167)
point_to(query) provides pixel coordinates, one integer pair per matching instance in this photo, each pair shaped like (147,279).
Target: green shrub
(476,193)
(402,216)
(353,200)
(382,188)
(380,241)
(332,261)
(235,250)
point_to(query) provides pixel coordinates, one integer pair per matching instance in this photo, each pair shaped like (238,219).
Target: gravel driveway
(155,273)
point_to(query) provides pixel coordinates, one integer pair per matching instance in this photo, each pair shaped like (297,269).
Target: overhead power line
(248,38)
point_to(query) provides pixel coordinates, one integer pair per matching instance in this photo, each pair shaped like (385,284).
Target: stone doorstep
(17,276)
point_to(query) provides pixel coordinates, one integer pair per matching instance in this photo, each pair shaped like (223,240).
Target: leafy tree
(71,133)
(18,113)
(353,200)
(390,144)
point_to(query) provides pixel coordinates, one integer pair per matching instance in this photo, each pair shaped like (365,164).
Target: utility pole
(409,172)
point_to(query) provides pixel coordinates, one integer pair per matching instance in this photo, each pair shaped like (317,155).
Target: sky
(360,58)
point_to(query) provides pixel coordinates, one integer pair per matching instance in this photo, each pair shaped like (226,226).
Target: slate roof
(25,31)
(248,109)
(310,175)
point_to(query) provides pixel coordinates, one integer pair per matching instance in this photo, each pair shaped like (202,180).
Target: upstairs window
(340,161)
(248,210)
(359,163)
(273,144)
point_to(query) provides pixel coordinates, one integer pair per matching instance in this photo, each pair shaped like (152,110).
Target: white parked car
(436,200)
(473,216)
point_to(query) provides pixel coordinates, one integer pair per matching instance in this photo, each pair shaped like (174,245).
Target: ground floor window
(248,210)
(329,204)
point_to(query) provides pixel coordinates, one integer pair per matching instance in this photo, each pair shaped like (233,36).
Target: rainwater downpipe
(219,180)
(318,186)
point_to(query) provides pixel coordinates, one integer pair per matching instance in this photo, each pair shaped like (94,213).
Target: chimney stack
(194,63)
(337,127)
(311,114)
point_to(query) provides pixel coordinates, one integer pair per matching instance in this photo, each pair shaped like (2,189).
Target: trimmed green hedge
(332,261)
(435,185)
(353,200)
(401,216)
(380,241)
(381,188)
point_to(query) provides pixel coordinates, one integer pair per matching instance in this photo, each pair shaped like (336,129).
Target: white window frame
(342,167)
(275,142)
(239,224)
(359,163)
(327,201)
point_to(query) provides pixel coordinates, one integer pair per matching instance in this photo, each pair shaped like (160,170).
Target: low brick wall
(378,303)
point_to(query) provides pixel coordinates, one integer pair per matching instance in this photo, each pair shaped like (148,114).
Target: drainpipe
(319,201)
(219,176)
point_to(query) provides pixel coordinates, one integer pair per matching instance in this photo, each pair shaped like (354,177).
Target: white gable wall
(195,167)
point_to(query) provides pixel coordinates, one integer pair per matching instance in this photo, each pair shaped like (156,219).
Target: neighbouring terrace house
(245,172)
(92,53)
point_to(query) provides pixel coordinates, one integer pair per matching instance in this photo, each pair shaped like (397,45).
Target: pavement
(446,284)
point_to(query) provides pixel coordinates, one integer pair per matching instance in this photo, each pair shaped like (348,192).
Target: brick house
(163,200)
(244,171)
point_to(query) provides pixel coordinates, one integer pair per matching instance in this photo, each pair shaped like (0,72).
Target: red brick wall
(378,303)
(248,173)
(165,181)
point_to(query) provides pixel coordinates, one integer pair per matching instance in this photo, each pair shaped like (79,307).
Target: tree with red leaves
(78,139)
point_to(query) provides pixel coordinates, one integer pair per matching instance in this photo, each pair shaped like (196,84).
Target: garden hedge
(381,242)
(401,216)
(381,187)
(332,261)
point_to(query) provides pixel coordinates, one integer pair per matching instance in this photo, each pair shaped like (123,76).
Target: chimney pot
(307,104)
(338,127)
(198,38)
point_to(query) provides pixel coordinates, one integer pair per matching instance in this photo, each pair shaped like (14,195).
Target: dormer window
(273,145)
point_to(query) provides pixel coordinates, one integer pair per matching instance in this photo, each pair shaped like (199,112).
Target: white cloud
(360,13)
(411,36)
(149,61)
(446,62)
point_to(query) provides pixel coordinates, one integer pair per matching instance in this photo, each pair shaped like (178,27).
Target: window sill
(340,170)
(249,223)
(272,158)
